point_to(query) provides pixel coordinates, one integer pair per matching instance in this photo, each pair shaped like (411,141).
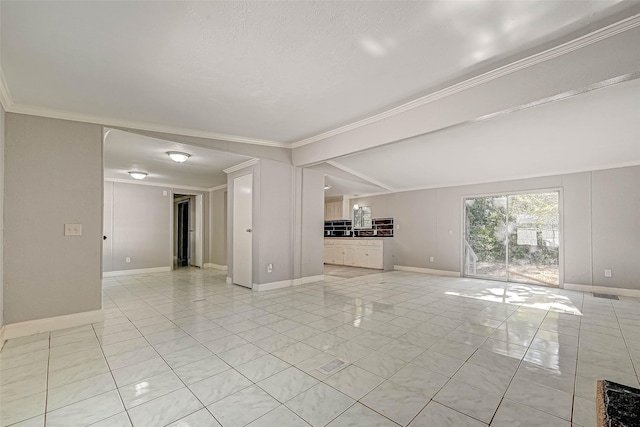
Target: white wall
(53,176)
(601,226)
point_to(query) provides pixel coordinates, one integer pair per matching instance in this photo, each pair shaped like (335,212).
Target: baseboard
(308,279)
(272,285)
(427,271)
(216,266)
(2,339)
(135,271)
(32,327)
(635,293)
(286,283)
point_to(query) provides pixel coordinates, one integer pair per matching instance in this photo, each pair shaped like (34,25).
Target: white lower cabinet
(359,252)
(374,258)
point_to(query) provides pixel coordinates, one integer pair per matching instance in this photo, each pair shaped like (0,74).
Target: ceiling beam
(599,56)
(359,175)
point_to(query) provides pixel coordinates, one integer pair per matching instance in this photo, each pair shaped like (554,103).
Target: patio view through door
(513,237)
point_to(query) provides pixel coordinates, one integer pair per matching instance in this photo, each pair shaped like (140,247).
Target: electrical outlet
(127,259)
(269,268)
(431,259)
(607,273)
(73,229)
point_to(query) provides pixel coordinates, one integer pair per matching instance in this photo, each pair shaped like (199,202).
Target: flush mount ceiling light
(138,175)
(178,157)
(327,186)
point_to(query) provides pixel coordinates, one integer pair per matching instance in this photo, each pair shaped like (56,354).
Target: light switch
(607,273)
(73,229)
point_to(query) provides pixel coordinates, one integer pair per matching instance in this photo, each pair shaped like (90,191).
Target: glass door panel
(485,244)
(534,238)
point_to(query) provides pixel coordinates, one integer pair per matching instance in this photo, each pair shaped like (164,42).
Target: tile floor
(185,349)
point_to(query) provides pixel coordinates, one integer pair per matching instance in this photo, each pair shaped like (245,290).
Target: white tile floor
(185,349)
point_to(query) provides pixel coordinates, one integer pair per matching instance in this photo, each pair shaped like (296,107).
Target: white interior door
(242,230)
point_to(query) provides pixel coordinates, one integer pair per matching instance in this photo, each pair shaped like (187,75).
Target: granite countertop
(617,405)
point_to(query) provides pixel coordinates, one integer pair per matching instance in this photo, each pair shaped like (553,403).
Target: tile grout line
(46,399)
(170,367)
(112,377)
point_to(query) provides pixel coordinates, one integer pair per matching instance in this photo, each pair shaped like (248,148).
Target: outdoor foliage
(486,227)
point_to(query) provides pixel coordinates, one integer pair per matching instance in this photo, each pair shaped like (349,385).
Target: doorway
(183,234)
(187,230)
(513,238)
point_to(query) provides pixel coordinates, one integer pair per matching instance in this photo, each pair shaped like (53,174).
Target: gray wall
(615,219)
(1,216)
(599,213)
(312,223)
(53,176)
(275,222)
(218,227)
(288,215)
(140,226)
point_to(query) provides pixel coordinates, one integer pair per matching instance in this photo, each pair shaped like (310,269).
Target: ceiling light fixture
(178,157)
(327,186)
(138,175)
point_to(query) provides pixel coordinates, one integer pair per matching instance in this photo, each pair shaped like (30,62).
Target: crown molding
(156,184)
(554,52)
(624,25)
(504,179)
(219,187)
(241,166)
(113,122)
(5,95)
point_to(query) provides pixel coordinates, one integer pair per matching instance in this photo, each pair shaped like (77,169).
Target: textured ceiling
(277,71)
(125,151)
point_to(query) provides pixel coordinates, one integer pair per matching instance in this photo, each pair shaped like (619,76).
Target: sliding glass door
(513,237)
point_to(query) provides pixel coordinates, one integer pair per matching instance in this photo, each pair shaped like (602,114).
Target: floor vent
(334,366)
(607,296)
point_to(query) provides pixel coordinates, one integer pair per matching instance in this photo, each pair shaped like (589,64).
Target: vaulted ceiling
(290,74)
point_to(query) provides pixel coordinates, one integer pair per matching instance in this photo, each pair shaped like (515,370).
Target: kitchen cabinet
(359,252)
(333,210)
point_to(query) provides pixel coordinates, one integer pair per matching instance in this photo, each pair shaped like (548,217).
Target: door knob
(249,230)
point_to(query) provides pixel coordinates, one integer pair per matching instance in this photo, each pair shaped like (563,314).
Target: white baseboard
(286,283)
(427,271)
(308,279)
(32,327)
(635,293)
(216,266)
(136,271)
(272,285)
(2,340)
